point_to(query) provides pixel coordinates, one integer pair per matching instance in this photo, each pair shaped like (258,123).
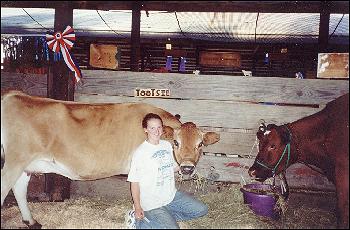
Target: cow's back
(337,135)
(337,112)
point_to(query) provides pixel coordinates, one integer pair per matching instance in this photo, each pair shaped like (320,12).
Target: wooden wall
(32,84)
(299,57)
(229,105)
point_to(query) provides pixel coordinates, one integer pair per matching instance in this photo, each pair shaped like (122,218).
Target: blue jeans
(183,207)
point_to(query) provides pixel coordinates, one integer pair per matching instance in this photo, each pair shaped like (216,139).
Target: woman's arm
(135,193)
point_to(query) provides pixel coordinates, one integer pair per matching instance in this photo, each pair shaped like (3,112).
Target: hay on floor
(226,210)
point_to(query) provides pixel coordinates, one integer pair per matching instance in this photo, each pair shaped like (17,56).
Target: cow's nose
(251,173)
(187,169)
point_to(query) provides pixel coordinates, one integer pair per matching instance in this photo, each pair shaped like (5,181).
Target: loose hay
(83,213)
(226,210)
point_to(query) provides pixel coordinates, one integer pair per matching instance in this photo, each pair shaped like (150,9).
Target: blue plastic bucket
(261,203)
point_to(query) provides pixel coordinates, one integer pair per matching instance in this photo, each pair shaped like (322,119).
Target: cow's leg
(20,192)
(9,175)
(5,187)
(342,186)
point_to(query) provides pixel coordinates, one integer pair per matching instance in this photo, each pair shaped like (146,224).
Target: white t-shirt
(153,167)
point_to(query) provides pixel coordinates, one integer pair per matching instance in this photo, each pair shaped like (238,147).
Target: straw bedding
(225,202)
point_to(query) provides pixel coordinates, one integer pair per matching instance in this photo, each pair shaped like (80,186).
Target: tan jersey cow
(81,141)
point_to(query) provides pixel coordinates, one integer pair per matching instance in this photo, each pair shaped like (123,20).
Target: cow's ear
(271,126)
(168,133)
(210,138)
(259,134)
(262,129)
(284,135)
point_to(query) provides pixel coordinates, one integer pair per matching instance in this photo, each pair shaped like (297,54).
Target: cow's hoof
(36,225)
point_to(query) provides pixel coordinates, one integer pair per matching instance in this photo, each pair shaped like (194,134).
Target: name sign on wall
(152,92)
(104,56)
(333,65)
(220,59)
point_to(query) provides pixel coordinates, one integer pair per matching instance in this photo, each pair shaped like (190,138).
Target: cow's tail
(2,147)
(2,157)
(2,136)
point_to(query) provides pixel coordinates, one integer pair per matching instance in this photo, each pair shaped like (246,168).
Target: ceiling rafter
(341,7)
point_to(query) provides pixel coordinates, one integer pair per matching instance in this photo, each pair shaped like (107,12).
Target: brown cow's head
(274,152)
(187,142)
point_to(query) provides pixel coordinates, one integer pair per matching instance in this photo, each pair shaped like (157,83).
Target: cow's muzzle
(253,174)
(187,169)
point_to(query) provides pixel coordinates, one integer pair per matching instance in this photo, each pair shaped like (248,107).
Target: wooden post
(324,28)
(135,36)
(61,87)
(197,58)
(255,60)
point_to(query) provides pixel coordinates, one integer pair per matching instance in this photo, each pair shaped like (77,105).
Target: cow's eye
(176,143)
(273,146)
(200,145)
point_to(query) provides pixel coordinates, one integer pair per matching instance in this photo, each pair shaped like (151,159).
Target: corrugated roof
(213,26)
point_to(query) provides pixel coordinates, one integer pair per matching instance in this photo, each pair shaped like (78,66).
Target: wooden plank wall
(229,105)
(32,84)
(298,59)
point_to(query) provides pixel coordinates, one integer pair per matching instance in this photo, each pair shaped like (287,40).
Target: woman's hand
(139,214)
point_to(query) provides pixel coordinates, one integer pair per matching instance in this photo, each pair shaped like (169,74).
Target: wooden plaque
(104,56)
(333,65)
(220,59)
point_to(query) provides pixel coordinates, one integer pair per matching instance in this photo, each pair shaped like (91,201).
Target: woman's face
(154,130)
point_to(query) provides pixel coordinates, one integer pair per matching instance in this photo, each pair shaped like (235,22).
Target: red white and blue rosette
(63,42)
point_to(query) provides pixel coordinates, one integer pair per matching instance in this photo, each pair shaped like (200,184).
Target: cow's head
(274,152)
(187,142)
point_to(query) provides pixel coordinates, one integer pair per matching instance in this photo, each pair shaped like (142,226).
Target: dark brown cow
(81,141)
(321,139)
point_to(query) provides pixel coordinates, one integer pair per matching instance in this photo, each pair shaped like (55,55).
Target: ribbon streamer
(64,42)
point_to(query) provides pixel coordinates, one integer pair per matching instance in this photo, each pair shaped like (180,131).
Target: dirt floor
(225,202)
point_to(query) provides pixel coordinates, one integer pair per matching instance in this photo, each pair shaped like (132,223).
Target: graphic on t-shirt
(165,166)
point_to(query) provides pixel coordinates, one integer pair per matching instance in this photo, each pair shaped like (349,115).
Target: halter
(287,147)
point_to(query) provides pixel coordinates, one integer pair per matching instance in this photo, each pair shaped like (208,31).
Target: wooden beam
(135,37)
(60,86)
(324,28)
(339,7)
(60,79)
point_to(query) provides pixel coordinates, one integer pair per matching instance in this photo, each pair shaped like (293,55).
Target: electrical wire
(119,34)
(34,19)
(336,27)
(178,23)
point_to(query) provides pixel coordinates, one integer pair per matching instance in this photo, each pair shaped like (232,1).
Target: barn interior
(228,65)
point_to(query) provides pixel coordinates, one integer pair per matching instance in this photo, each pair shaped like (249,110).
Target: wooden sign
(152,92)
(220,59)
(333,65)
(278,56)
(104,56)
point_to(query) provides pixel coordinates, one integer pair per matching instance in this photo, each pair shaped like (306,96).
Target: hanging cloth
(182,64)
(169,60)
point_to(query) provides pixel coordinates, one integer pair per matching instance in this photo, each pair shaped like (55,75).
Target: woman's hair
(148,117)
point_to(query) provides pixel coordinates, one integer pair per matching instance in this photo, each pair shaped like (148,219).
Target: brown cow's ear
(259,134)
(271,126)
(262,129)
(210,138)
(168,133)
(284,134)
